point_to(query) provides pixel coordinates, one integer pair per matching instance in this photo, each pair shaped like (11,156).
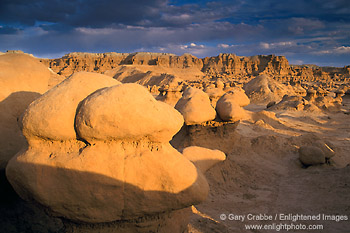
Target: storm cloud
(315,31)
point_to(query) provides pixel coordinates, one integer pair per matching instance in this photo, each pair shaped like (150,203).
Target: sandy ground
(262,175)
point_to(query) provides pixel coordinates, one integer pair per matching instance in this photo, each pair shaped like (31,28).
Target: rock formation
(22,80)
(309,103)
(195,106)
(98,151)
(229,106)
(264,89)
(232,64)
(214,94)
(226,67)
(170,94)
(311,155)
(203,158)
(101,62)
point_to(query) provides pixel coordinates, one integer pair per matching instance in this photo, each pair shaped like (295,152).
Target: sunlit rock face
(22,80)
(98,151)
(264,89)
(228,63)
(195,106)
(101,62)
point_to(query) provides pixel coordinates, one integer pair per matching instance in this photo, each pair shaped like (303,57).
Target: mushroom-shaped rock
(106,115)
(52,116)
(327,149)
(238,95)
(118,166)
(195,106)
(311,155)
(203,158)
(229,107)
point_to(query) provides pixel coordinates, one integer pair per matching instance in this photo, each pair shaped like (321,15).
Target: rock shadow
(139,213)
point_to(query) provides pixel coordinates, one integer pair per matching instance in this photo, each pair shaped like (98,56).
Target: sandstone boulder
(22,80)
(203,158)
(59,106)
(229,105)
(326,146)
(105,117)
(311,155)
(195,106)
(238,96)
(110,159)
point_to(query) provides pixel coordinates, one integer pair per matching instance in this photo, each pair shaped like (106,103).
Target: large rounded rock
(264,89)
(195,107)
(311,155)
(203,158)
(21,72)
(106,115)
(229,107)
(119,166)
(22,80)
(238,96)
(53,115)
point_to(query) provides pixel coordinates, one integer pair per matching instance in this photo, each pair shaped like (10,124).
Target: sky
(305,31)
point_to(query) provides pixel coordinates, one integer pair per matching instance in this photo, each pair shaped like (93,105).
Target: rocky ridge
(224,65)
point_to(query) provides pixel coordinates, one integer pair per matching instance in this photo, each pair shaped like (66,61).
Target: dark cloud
(8,30)
(106,13)
(89,13)
(312,30)
(24,12)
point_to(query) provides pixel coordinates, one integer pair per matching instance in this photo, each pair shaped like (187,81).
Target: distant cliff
(231,64)
(221,65)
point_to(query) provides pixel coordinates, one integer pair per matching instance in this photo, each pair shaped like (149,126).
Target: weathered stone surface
(101,62)
(53,115)
(203,158)
(195,106)
(22,80)
(21,72)
(118,166)
(264,89)
(311,155)
(229,105)
(238,96)
(224,64)
(232,64)
(214,94)
(106,115)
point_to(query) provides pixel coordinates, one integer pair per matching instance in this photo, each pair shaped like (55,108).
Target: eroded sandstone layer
(224,65)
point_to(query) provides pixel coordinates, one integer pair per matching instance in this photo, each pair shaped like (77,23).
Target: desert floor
(262,174)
